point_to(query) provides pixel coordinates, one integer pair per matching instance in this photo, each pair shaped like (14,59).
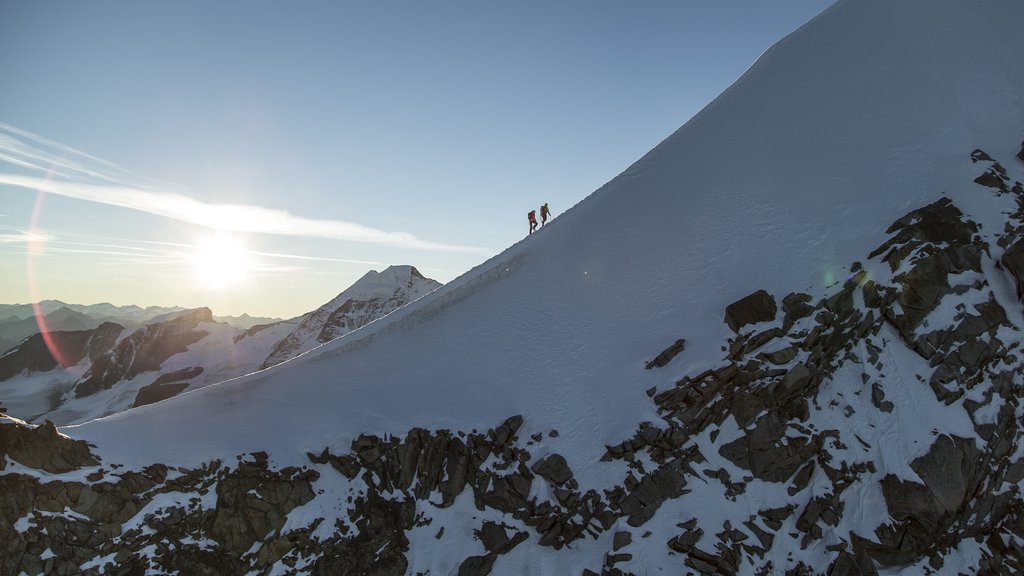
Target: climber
(544,213)
(533,220)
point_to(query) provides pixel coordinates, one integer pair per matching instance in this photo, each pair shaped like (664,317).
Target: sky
(260,157)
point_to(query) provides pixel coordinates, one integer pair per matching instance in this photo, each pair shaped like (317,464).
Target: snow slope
(777,184)
(864,114)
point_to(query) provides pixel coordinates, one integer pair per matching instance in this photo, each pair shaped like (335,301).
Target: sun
(221,262)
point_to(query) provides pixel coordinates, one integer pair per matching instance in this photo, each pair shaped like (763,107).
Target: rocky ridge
(373,296)
(922,322)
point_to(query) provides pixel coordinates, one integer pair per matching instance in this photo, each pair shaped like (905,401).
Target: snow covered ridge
(373,296)
(110,368)
(873,429)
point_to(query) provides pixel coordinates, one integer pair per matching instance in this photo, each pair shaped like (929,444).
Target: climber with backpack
(544,213)
(533,220)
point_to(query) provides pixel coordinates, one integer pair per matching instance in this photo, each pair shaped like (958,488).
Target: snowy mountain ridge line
(177,352)
(518,431)
(374,295)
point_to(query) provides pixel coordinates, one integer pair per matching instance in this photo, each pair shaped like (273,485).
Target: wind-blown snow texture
(865,114)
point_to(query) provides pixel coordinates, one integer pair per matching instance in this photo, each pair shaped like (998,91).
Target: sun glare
(221,262)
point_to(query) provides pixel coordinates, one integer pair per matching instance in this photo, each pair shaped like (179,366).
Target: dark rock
(781,356)
(686,541)
(939,223)
(179,375)
(649,494)
(979,155)
(802,479)
(42,447)
(495,539)
(621,539)
(253,501)
(667,355)
(924,512)
(554,469)
(1020,155)
(878,399)
(477,565)
(994,177)
(757,307)
(144,350)
(796,381)
(34,354)
(156,392)
(1013,262)
(847,564)
(763,452)
(795,306)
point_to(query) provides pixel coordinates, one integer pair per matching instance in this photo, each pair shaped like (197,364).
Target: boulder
(757,307)
(554,469)
(495,538)
(667,355)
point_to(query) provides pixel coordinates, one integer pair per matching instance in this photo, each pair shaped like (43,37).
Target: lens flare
(36,247)
(221,262)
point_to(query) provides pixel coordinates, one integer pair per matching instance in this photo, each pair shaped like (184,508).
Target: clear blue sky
(431,126)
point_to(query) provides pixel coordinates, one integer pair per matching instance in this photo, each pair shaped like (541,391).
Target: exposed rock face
(166,386)
(41,447)
(373,296)
(144,350)
(154,392)
(33,354)
(924,513)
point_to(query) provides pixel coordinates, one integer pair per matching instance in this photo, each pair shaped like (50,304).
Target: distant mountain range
(88,366)
(18,321)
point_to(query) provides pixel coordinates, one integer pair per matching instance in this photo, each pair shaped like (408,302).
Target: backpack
(532,215)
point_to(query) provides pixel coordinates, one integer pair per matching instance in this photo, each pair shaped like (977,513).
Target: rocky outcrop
(666,355)
(144,350)
(153,393)
(757,307)
(108,521)
(42,353)
(41,447)
(166,386)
